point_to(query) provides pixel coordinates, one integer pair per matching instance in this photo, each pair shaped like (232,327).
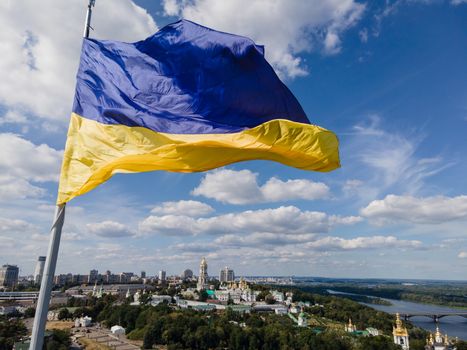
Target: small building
(295,309)
(6,310)
(281,310)
(234,295)
(302,320)
(117,330)
(157,299)
(85,321)
(373,331)
(205,307)
(240,308)
(278,296)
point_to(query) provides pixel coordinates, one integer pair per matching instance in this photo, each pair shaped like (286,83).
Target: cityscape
(221,293)
(233,175)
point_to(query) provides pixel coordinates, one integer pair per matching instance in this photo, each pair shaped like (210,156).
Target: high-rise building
(162,276)
(227,275)
(93,276)
(61,280)
(39,270)
(9,275)
(143,274)
(125,277)
(187,274)
(203,275)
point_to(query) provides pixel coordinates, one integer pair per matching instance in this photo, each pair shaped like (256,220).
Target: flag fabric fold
(186,99)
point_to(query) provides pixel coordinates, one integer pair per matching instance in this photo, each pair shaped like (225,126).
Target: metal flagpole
(40,319)
(37,337)
(87,24)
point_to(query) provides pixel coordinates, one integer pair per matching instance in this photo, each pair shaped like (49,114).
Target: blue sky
(389,78)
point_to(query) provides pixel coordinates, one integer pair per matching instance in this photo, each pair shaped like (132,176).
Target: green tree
(58,340)
(203,295)
(461,345)
(11,331)
(269,299)
(377,343)
(64,314)
(237,339)
(262,295)
(29,312)
(80,312)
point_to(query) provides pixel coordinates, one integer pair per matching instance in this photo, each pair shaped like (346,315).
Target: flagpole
(87,23)
(40,318)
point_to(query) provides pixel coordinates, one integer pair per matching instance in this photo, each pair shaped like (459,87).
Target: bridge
(434,316)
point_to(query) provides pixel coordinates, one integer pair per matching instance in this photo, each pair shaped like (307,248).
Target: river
(454,326)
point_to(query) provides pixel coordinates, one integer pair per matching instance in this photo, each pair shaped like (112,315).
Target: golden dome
(399,330)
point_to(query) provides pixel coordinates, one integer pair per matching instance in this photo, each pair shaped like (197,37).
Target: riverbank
(454,326)
(440,294)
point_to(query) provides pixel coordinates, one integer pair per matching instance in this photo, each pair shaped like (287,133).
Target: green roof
(361,333)
(22,345)
(203,307)
(239,307)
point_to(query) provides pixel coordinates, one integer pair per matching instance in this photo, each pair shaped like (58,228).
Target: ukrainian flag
(186,99)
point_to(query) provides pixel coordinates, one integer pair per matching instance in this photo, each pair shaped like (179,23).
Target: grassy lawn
(59,325)
(90,344)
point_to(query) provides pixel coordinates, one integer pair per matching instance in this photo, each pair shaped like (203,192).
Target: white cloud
(43,46)
(283,220)
(352,187)
(344,220)
(372,242)
(389,159)
(229,186)
(21,162)
(7,242)
(260,239)
(110,229)
(186,208)
(15,225)
(20,157)
(424,210)
(363,35)
(462,255)
(241,187)
(16,188)
(275,190)
(266,245)
(170,225)
(458,2)
(13,117)
(287,28)
(195,247)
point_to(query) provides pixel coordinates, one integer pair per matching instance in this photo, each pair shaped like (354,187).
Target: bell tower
(203,275)
(401,336)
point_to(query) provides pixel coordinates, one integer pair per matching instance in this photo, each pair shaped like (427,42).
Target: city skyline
(388,78)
